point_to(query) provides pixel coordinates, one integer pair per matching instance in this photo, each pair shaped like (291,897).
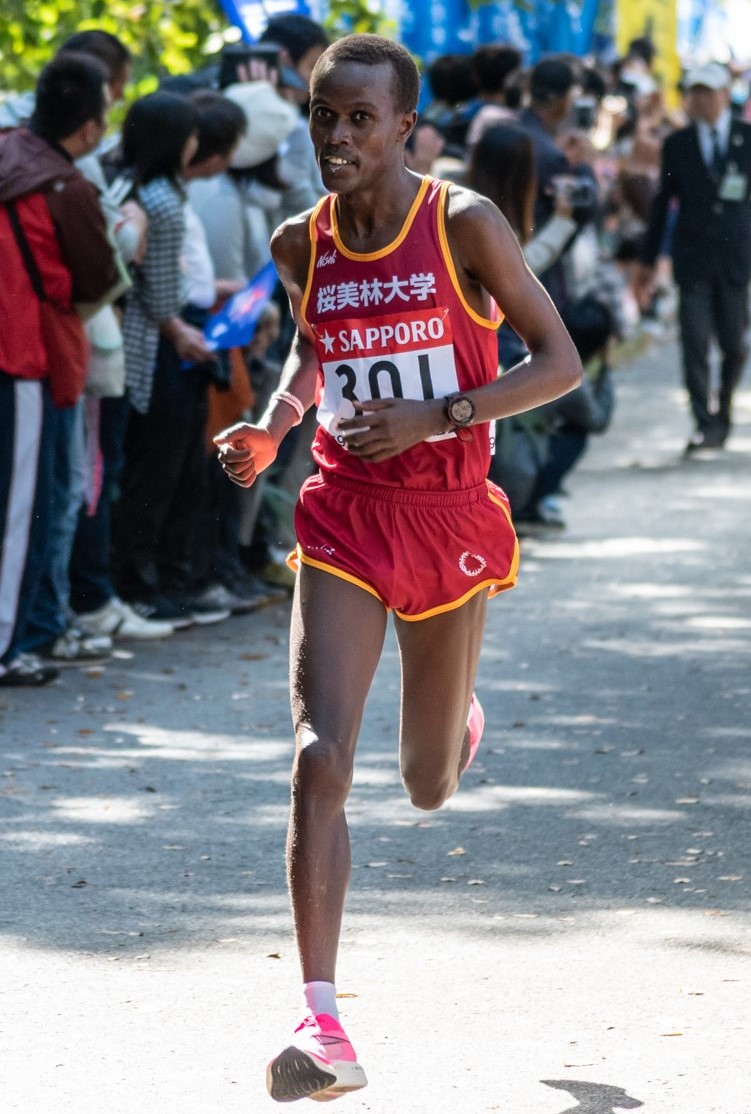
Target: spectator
(148,545)
(706,169)
(502,168)
(238,209)
(492,66)
(45,201)
(52,620)
(570,420)
(454,89)
(552,87)
(301,42)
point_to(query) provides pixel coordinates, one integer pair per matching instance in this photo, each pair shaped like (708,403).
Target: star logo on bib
(328,342)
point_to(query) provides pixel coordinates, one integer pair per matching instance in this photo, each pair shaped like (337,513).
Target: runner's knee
(428,790)
(322,769)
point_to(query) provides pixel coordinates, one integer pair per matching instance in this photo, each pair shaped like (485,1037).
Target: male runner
(394,281)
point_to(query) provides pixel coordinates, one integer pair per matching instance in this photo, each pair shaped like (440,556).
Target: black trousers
(161,494)
(712,307)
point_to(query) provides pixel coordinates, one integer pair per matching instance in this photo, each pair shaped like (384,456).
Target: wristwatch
(460,411)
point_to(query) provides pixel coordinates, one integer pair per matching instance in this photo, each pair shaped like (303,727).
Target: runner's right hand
(245,451)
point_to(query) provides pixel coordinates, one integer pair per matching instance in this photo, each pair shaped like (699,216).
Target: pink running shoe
(476,725)
(321,1063)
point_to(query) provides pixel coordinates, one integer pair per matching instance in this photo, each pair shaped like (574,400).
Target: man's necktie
(717,165)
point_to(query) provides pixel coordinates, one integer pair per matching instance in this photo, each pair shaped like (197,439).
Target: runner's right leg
(336,641)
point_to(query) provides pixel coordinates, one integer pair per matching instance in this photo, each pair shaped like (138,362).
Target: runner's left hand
(383,427)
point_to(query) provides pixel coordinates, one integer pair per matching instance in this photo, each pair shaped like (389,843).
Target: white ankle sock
(320,997)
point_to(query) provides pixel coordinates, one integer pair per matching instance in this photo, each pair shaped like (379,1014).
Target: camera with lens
(585,113)
(576,192)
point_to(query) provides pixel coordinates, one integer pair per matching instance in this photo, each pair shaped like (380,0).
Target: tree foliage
(163,37)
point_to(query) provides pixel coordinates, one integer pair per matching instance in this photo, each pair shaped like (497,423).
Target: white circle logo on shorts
(471,564)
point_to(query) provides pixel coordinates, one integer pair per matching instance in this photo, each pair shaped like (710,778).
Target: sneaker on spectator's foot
(202,613)
(95,640)
(119,620)
(280,574)
(319,1064)
(158,609)
(476,725)
(223,598)
(248,585)
(73,647)
(26,671)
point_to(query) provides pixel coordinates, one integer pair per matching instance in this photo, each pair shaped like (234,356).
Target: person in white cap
(706,167)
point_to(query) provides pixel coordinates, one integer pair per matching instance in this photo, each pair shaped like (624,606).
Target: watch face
(461,411)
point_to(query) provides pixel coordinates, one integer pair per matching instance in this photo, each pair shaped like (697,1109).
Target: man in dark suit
(706,167)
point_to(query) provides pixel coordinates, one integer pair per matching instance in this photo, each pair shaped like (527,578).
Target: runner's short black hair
(375,50)
(221,122)
(70,92)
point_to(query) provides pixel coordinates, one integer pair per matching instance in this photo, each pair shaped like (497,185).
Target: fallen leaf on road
(458,851)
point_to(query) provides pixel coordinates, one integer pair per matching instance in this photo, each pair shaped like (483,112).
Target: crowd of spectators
(118,522)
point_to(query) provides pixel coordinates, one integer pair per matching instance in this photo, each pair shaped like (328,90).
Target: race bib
(405,355)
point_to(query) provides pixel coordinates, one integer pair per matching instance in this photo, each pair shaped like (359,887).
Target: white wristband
(293,401)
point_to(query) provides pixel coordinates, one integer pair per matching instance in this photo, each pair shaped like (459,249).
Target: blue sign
(251,16)
(235,324)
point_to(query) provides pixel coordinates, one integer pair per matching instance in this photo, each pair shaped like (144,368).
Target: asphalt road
(570,934)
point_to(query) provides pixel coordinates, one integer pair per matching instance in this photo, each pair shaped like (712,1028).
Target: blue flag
(236,322)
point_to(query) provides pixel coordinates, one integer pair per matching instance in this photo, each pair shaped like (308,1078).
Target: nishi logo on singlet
(406,355)
(327,258)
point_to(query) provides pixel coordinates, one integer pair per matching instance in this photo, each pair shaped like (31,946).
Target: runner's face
(357,129)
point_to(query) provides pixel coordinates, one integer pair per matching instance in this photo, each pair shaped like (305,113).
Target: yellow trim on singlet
(313,235)
(486,322)
(369,256)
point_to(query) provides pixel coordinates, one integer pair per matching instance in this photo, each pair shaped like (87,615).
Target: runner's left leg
(439,658)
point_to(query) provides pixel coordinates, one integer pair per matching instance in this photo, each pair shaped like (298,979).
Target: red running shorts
(419,552)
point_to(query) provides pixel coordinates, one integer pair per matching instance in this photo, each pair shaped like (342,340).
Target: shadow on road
(593,1098)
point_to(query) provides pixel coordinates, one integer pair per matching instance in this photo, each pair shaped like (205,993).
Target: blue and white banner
(432,27)
(251,16)
(236,322)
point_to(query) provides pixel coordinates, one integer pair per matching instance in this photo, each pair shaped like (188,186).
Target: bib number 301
(408,357)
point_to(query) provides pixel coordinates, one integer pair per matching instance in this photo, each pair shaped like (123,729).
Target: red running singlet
(424,530)
(394,323)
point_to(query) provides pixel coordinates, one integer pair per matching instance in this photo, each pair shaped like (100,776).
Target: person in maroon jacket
(52,240)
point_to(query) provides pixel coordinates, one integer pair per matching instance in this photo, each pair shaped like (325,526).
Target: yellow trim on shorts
(486,322)
(366,257)
(498,585)
(297,557)
(313,236)
(514,569)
